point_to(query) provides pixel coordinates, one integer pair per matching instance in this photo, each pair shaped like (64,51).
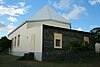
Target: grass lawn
(10,61)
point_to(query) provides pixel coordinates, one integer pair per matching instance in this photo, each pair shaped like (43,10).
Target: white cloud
(12,19)
(13,6)
(50,1)
(79,29)
(22,4)
(1,2)
(13,10)
(74,14)
(2,24)
(8,28)
(94,2)
(93,26)
(70,10)
(62,4)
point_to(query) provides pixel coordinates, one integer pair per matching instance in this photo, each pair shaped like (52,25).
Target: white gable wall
(23,47)
(26,44)
(36,46)
(36,33)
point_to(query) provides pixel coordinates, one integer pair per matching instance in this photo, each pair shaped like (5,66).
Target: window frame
(18,40)
(86,40)
(57,36)
(15,42)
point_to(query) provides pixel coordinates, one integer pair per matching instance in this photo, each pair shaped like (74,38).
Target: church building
(45,33)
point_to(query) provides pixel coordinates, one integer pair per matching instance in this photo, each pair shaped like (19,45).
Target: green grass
(10,61)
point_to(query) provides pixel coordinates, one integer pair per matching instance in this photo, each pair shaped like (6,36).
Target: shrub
(78,46)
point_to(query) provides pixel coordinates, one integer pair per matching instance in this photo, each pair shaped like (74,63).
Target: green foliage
(96,34)
(77,46)
(5,43)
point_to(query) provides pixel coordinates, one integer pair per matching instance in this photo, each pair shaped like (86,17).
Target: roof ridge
(48,12)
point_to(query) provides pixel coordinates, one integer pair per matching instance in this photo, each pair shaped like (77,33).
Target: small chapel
(45,34)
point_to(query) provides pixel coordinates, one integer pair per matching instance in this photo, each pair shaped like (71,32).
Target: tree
(96,34)
(5,43)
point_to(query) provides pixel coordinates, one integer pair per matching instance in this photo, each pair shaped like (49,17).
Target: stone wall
(51,53)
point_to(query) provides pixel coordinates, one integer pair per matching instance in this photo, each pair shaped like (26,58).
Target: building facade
(56,41)
(44,34)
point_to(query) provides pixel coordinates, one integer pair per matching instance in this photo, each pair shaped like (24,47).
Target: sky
(83,15)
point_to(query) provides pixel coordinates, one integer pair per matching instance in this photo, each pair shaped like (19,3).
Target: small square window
(86,40)
(57,42)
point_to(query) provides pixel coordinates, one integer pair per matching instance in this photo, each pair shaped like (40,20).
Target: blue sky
(82,14)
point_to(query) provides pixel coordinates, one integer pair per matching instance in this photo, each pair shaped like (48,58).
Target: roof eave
(17,28)
(38,21)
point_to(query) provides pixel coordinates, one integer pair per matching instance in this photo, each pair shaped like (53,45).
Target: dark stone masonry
(51,53)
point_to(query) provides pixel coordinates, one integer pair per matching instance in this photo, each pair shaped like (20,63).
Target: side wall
(30,41)
(51,53)
(35,40)
(23,47)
